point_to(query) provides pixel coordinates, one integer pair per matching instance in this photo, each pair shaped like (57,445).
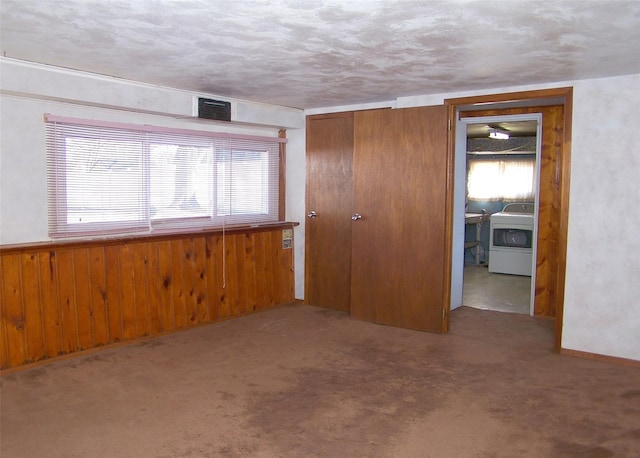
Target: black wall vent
(214,109)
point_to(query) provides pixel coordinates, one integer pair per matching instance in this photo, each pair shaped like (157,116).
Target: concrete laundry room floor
(491,291)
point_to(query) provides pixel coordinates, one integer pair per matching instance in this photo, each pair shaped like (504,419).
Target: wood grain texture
(57,301)
(398,247)
(565,178)
(165,304)
(98,295)
(4,357)
(178,283)
(30,274)
(114,286)
(67,301)
(49,303)
(14,320)
(201,293)
(84,310)
(212,273)
(140,268)
(329,192)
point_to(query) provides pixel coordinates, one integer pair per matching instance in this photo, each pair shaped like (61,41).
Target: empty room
(339,228)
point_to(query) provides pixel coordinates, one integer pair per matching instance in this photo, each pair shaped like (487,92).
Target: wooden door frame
(561,96)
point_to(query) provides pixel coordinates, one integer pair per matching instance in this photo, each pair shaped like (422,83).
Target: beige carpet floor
(301,381)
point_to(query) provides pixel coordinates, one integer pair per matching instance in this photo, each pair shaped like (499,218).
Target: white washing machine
(511,240)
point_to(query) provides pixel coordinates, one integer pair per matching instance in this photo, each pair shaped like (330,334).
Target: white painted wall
(602,302)
(295,200)
(27,91)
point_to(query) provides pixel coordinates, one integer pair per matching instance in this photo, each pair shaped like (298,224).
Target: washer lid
(522,219)
(521,207)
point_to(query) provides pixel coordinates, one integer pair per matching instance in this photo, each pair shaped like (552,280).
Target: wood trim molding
(338,114)
(599,357)
(448,230)
(531,98)
(564,216)
(156,237)
(511,96)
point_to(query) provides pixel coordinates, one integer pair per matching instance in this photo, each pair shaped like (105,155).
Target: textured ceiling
(318,53)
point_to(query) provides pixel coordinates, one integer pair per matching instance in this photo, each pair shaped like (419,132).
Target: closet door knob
(312,214)
(356,216)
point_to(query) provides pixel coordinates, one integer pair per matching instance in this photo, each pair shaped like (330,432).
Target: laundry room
(500,209)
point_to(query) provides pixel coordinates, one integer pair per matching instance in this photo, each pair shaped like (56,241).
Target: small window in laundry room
(501,178)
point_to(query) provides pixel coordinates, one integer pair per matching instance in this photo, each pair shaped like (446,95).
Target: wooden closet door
(329,195)
(398,246)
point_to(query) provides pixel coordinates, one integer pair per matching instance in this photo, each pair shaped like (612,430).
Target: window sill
(156,236)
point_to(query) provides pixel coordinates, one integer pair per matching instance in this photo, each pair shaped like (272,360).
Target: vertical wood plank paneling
(84,309)
(251,286)
(201,293)
(141,288)
(224,309)
(113,283)
(127,292)
(165,290)
(269,269)
(242,274)
(290,276)
(178,284)
(98,295)
(4,359)
(189,280)
(283,269)
(58,301)
(261,271)
(30,269)
(212,256)
(50,308)
(14,314)
(67,301)
(278,276)
(286,272)
(153,289)
(232,275)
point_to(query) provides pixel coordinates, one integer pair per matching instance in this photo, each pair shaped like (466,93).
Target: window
(106,178)
(501,179)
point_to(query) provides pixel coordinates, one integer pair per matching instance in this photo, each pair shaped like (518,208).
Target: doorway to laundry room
(501,165)
(554,108)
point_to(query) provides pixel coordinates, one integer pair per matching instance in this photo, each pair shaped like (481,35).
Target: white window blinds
(106,178)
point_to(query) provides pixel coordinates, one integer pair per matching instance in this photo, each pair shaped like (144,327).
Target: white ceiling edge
(21,78)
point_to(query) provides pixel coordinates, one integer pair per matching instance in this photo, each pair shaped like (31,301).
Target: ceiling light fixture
(498,134)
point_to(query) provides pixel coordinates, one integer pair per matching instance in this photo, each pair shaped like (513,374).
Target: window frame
(59,128)
(501,158)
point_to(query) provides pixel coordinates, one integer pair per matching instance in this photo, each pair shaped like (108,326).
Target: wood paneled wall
(61,299)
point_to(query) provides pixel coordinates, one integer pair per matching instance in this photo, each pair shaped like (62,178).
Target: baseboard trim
(598,357)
